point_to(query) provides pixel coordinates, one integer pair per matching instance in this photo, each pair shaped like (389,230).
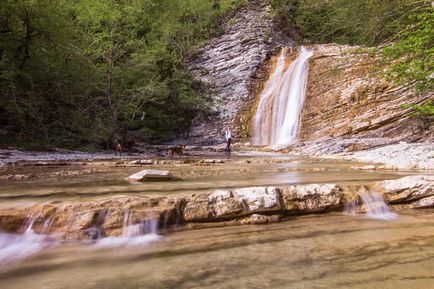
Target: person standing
(228,136)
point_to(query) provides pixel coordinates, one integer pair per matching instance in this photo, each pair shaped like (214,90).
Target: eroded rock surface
(313,198)
(416,190)
(259,199)
(229,64)
(252,205)
(348,96)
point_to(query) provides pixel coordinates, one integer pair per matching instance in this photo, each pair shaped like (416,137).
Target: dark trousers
(228,145)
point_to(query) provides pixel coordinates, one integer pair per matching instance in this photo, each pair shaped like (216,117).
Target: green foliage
(77,73)
(426,109)
(412,52)
(425,112)
(404,28)
(364,22)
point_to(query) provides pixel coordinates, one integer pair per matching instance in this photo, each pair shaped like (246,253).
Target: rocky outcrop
(349,97)
(313,198)
(211,206)
(393,156)
(418,191)
(230,65)
(252,205)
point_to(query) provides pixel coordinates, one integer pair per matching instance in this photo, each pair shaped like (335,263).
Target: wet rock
(407,190)
(211,161)
(367,168)
(11,220)
(212,206)
(424,203)
(259,199)
(314,198)
(142,162)
(18,176)
(261,219)
(258,219)
(151,175)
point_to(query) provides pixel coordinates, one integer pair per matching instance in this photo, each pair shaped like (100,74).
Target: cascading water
(375,206)
(277,119)
(15,247)
(141,233)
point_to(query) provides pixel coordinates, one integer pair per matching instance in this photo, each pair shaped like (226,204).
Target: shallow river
(317,251)
(328,251)
(241,170)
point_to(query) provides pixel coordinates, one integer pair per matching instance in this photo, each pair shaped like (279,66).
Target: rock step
(252,205)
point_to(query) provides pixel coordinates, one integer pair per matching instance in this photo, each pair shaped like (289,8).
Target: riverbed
(27,183)
(335,250)
(330,251)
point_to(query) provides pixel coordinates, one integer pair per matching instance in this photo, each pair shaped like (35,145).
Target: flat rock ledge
(252,205)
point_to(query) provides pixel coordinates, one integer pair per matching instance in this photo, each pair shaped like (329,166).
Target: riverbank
(391,154)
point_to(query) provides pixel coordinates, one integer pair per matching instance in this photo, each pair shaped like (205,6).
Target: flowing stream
(322,251)
(326,251)
(277,119)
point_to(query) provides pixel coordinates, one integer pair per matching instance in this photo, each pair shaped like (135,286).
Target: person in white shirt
(228,136)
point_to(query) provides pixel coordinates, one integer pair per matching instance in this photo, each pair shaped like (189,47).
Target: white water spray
(278,116)
(376,207)
(141,233)
(14,247)
(374,204)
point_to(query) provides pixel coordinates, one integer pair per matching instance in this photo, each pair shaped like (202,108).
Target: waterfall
(277,119)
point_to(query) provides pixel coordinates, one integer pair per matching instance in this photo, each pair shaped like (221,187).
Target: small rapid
(374,206)
(15,247)
(133,234)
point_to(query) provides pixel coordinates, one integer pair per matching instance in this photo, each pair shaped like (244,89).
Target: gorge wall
(349,97)
(348,94)
(232,66)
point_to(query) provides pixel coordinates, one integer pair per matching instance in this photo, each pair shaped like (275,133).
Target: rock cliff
(349,97)
(232,66)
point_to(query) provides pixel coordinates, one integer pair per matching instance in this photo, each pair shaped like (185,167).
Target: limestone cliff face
(348,97)
(230,65)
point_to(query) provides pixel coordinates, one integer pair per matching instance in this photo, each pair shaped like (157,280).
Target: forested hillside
(402,29)
(81,73)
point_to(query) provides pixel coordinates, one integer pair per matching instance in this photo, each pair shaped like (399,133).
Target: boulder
(407,190)
(427,202)
(313,198)
(259,199)
(151,175)
(212,206)
(261,219)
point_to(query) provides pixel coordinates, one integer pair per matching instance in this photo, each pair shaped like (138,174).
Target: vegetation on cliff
(405,29)
(401,29)
(80,73)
